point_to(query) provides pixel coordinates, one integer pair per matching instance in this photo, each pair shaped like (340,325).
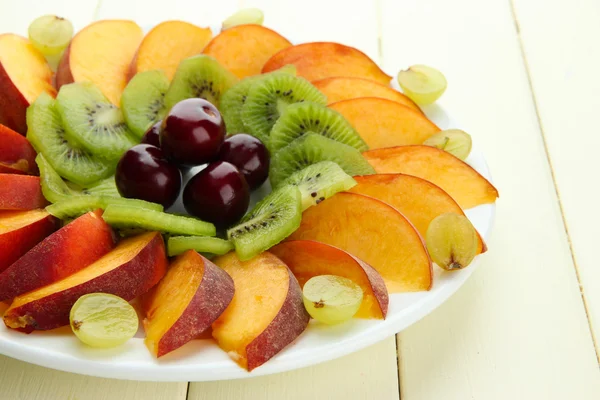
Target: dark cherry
(144,173)
(192,133)
(218,194)
(152,135)
(249,155)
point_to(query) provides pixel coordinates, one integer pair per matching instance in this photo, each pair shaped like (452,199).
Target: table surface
(523,78)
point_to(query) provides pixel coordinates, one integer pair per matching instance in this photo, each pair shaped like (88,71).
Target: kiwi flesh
(312,148)
(199,76)
(202,244)
(320,181)
(311,117)
(53,187)
(105,187)
(46,134)
(143,101)
(273,219)
(75,206)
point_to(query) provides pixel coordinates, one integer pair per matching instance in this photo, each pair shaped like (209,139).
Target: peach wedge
(21,192)
(17,156)
(376,233)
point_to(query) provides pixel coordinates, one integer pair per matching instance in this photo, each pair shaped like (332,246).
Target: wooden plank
(561,52)
(518,329)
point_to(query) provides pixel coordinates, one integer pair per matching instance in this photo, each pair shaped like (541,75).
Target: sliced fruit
(266,313)
(243,17)
(202,244)
(77,205)
(104,187)
(320,60)
(455,141)
(307,259)
(376,233)
(423,84)
(385,123)
(167,44)
(273,219)
(101,53)
(131,269)
(331,299)
(59,255)
(456,177)
(51,35)
(53,187)
(185,303)
(244,49)
(452,241)
(21,192)
(17,156)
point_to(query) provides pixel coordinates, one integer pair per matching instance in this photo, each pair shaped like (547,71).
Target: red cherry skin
(249,155)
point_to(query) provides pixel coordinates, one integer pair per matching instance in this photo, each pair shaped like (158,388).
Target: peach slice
(340,88)
(21,192)
(192,295)
(376,233)
(101,53)
(20,231)
(307,258)
(385,123)
(320,60)
(167,44)
(59,255)
(24,75)
(266,313)
(244,49)
(17,156)
(453,175)
(131,269)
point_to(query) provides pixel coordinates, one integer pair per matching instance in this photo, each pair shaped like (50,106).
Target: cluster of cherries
(193,134)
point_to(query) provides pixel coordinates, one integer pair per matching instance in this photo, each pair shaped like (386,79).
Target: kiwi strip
(78,205)
(143,101)
(105,187)
(53,186)
(202,244)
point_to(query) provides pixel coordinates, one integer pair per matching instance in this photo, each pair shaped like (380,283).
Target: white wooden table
(524,79)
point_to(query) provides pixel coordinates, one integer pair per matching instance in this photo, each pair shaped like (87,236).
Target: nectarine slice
(376,233)
(131,269)
(167,44)
(244,49)
(101,53)
(266,313)
(185,303)
(21,192)
(17,156)
(385,123)
(453,175)
(307,258)
(320,60)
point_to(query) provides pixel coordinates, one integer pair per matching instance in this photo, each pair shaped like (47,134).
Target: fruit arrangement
(361,190)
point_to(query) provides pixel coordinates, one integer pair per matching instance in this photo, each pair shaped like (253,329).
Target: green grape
(51,36)
(451,241)
(423,84)
(245,16)
(331,299)
(454,141)
(103,320)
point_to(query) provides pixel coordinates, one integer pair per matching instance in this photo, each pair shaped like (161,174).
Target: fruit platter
(186,203)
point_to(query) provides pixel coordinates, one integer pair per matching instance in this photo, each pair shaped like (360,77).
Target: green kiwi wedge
(46,134)
(143,101)
(202,244)
(320,181)
(75,206)
(312,148)
(199,76)
(53,187)
(273,219)
(311,117)
(105,187)
(269,97)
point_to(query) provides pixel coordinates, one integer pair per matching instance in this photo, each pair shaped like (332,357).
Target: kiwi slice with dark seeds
(312,148)
(143,101)
(53,186)
(78,205)
(202,244)
(269,97)
(105,187)
(310,117)
(273,219)
(199,76)
(47,135)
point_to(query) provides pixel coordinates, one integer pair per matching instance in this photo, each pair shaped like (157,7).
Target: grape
(423,84)
(451,241)
(454,141)
(242,17)
(51,36)
(103,320)
(331,299)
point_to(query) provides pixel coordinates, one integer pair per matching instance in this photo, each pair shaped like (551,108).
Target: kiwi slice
(273,219)
(199,76)
(105,187)
(143,101)
(53,186)
(92,121)
(202,244)
(320,181)
(310,117)
(47,135)
(78,205)
(312,148)
(124,216)
(269,97)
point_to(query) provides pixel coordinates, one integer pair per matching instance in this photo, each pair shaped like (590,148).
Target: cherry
(249,155)
(144,173)
(152,135)
(192,133)
(218,194)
